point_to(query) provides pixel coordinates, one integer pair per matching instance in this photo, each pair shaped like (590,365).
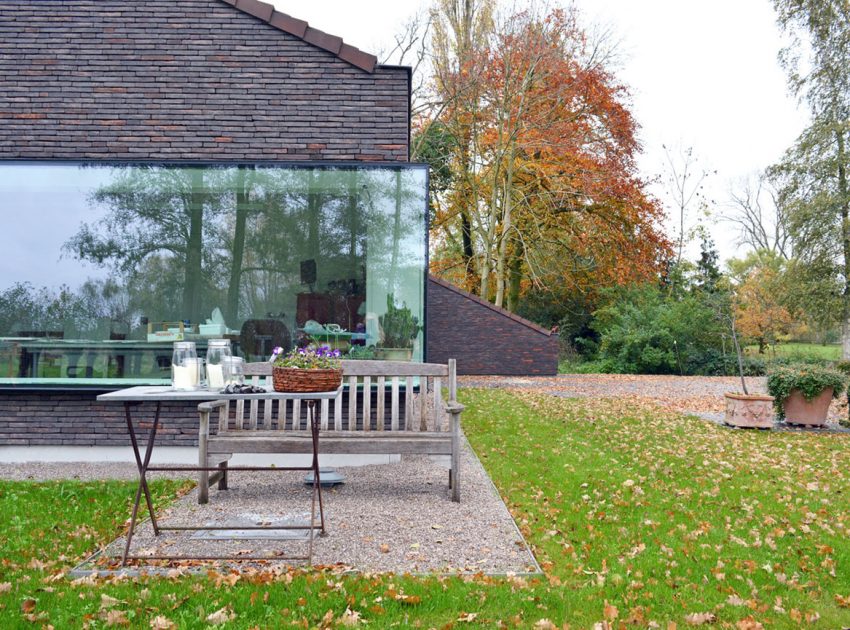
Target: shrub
(810,379)
(643,331)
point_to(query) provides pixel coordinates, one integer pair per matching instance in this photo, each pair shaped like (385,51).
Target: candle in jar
(185,376)
(215,376)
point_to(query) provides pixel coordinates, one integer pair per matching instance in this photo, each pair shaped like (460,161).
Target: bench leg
(222,481)
(454,473)
(203,475)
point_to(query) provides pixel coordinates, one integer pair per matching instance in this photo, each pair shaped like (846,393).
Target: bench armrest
(454,406)
(209,406)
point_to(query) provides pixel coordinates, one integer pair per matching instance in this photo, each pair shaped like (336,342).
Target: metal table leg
(143,483)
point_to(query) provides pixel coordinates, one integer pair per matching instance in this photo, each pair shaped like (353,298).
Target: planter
(812,412)
(753,411)
(297,380)
(394,354)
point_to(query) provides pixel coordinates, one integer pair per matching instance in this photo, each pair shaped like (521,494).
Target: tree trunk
(844,201)
(501,261)
(515,271)
(242,208)
(192,284)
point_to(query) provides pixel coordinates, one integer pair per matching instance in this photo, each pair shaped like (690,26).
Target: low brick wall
(483,338)
(43,418)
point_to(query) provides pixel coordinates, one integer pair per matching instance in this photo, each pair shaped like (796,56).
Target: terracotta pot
(749,410)
(812,412)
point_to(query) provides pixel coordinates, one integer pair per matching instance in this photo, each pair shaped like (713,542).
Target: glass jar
(218,364)
(235,370)
(185,366)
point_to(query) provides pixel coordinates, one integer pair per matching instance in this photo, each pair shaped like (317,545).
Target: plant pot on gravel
(804,392)
(750,411)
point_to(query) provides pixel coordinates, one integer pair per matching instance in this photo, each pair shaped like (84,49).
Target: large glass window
(105,266)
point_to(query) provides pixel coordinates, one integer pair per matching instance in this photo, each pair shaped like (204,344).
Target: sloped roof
(497,309)
(299,28)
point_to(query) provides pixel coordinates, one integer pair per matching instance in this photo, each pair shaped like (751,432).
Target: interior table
(134,397)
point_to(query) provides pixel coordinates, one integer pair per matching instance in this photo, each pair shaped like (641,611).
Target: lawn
(795,350)
(638,516)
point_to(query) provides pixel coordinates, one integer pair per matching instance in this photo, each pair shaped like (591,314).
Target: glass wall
(105,266)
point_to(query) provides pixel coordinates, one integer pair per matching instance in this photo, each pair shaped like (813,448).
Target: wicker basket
(296,380)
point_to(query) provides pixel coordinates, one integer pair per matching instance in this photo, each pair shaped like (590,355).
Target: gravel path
(79,471)
(395,517)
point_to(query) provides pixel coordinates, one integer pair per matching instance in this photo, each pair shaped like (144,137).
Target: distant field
(830,352)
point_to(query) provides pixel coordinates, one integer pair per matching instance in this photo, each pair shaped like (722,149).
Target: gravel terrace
(394,517)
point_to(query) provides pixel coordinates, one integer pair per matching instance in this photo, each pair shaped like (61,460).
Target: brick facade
(483,338)
(189,80)
(163,80)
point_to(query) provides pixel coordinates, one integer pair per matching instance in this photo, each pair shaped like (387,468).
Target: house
(198,169)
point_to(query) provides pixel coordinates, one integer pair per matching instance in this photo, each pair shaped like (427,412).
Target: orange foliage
(556,179)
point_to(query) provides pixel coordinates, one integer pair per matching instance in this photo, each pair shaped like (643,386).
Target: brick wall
(485,339)
(186,79)
(77,419)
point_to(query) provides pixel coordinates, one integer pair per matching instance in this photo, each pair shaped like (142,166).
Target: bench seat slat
(341,442)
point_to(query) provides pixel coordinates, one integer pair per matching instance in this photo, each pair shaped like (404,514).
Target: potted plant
(306,370)
(803,392)
(745,409)
(399,328)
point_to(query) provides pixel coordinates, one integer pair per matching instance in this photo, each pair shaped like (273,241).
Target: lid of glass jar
(184,345)
(219,342)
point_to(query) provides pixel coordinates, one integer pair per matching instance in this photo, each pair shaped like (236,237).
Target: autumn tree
(812,176)
(552,194)
(760,312)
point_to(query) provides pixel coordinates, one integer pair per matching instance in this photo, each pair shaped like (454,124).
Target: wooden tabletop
(167,394)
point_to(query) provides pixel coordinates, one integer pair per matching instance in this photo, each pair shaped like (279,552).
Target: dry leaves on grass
(221,616)
(699,619)
(162,623)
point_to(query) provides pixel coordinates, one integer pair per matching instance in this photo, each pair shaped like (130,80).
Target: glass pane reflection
(106,266)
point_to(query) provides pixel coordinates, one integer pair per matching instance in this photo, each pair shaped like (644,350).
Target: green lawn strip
(658,515)
(797,350)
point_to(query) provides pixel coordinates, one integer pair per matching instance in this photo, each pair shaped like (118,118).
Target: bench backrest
(379,396)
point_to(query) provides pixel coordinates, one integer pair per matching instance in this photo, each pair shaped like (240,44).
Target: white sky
(702,74)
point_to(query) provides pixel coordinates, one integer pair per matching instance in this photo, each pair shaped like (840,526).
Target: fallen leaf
(5,587)
(466,617)
(350,618)
(698,619)
(544,624)
(162,623)
(109,602)
(28,605)
(116,618)
(610,612)
(221,616)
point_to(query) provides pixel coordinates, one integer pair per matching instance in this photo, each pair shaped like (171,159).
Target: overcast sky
(702,75)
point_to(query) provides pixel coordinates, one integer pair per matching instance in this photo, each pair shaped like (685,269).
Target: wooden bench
(389,407)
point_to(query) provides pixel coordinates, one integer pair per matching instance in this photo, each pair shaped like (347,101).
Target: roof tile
(302,30)
(329,42)
(289,24)
(357,57)
(256,8)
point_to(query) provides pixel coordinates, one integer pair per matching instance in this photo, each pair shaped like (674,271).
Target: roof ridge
(302,30)
(498,309)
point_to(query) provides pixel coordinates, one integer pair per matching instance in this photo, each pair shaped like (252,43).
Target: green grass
(660,516)
(795,350)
